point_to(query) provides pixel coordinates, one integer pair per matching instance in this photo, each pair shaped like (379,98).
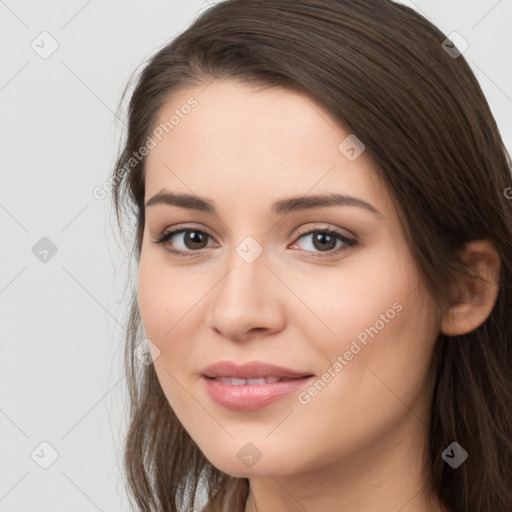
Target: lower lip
(251,397)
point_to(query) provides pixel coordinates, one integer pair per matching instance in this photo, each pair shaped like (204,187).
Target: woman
(324,248)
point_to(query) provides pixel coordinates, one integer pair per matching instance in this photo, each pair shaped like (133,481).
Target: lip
(251,397)
(252,370)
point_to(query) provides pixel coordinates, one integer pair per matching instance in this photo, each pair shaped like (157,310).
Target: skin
(358,442)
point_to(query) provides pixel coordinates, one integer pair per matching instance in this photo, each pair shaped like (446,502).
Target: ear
(476,295)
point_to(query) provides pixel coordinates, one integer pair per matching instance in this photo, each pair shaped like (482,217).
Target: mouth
(259,381)
(252,371)
(244,395)
(251,386)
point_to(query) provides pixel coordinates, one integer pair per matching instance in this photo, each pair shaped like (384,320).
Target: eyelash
(348,241)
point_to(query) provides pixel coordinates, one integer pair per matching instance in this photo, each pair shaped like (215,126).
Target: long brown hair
(382,70)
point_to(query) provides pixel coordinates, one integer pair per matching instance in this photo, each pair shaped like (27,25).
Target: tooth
(225,380)
(253,382)
(261,380)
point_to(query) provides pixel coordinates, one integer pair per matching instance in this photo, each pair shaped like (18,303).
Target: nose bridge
(246,278)
(243,299)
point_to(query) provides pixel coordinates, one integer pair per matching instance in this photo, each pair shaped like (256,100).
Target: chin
(247,461)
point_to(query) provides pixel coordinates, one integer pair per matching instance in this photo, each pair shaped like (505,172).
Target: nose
(247,302)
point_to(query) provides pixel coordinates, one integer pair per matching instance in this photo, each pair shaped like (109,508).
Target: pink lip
(251,397)
(252,370)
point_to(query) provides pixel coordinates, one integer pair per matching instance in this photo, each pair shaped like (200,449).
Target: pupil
(192,238)
(324,241)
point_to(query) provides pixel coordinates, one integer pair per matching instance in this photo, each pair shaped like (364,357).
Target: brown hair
(380,68)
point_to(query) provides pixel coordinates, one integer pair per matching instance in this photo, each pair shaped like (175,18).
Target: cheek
(165,305)
(154,305)
(349,299)
(378,328)
(165,295)
(376,374)
(171,303)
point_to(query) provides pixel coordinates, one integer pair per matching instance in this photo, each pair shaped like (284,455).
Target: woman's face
(346,307)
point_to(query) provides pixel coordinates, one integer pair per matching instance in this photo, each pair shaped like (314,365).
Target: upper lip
(251,370)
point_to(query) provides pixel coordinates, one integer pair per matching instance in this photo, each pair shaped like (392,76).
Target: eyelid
(185,227)
(301,231)
(325,227)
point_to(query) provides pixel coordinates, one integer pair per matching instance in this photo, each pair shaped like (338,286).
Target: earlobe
(476,295)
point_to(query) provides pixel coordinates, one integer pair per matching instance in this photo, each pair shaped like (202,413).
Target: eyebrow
(280,207)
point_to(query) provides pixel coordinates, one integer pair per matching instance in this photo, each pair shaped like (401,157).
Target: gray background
(62,319)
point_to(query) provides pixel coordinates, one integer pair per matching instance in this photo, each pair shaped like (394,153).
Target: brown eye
(183,241)
(325,241)
(195,239)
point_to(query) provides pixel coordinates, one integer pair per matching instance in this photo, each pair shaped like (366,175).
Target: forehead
(251,146)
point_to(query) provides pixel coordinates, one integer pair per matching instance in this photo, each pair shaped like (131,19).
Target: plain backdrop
(63,274)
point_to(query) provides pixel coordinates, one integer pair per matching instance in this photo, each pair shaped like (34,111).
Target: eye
(187,241)
(191,240)
(325,240)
